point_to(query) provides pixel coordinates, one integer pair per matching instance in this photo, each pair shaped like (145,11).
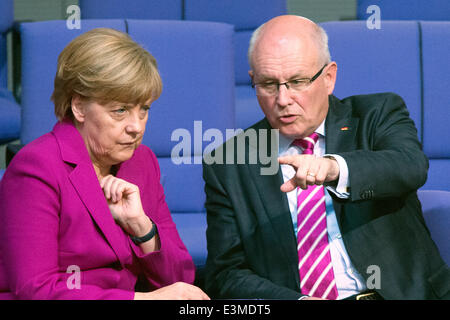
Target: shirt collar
(285,142)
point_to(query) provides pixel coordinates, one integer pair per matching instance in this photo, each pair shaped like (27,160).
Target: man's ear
(330,76)
(250,73)
(78,108)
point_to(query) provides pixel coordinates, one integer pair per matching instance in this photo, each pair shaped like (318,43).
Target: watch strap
(147,237)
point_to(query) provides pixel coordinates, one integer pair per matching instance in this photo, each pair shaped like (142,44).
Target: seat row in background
(245,16)
(402,57)
(430,10)
(9,109)
(212,86)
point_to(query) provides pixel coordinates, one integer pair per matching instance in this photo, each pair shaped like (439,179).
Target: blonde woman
(82,209)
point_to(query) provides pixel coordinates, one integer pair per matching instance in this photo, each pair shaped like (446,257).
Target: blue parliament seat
(436,212)
(246,16)
(197,86)
(197,95)
(404,57)
(6,22)
(436,99)
(136,9)
(371,61)
(406,9)
(9,109)
(42,42)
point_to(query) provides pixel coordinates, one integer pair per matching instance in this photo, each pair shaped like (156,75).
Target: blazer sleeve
(228,275)
(172,263)
(29,209)
(389,162)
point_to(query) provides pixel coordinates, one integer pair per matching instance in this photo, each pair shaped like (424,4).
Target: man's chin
(292,131)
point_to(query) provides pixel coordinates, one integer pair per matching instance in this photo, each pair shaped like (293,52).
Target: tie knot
(307,143)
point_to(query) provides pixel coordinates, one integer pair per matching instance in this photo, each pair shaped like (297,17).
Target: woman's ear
(78,108)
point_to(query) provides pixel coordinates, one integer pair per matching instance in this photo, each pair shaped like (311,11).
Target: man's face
(295,114)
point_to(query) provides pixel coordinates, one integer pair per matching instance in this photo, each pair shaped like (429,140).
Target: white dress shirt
(348,280)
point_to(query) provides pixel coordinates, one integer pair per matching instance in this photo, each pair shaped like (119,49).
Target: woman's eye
(120,110)
(144,109)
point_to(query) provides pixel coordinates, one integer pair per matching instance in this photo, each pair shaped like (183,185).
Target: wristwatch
(147,237)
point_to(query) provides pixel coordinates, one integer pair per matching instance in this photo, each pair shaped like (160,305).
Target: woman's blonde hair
(104,65)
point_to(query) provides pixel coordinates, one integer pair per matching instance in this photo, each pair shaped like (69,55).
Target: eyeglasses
(296,85)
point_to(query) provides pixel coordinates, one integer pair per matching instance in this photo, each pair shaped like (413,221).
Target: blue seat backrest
(246,16)
(436,212)
(9,109)
(197,83)
(197,96)
(6,21)
(406,9)
(436,99)
(371,60)
(136,9)
(42,42)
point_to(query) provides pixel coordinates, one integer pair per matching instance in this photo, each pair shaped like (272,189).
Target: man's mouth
(288,118)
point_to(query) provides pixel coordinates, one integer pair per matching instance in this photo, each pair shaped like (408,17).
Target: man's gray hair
(321,37)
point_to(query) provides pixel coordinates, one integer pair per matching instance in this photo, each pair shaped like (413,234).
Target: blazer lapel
(275,202)
(84,180)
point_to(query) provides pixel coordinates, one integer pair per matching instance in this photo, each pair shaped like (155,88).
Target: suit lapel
(275,203)
(340,127)
(340,134)
(85,182)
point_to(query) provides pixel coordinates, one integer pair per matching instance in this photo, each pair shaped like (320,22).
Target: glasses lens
(298,85)
(266,89)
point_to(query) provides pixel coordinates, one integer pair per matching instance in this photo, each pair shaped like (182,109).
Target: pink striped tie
(315,268)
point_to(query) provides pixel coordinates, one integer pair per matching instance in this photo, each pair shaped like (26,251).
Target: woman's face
(111,131)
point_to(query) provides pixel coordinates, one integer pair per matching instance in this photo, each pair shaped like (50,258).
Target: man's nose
(284,95)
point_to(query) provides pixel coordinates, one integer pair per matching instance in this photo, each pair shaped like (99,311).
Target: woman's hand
(124,202)
(176,291)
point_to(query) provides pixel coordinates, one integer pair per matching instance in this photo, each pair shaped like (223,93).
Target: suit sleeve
(172,263)
(228,274)
(390,162)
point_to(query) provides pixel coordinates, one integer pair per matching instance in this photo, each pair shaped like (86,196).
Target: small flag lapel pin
(344,128)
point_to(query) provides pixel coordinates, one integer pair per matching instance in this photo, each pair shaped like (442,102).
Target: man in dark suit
(340,218)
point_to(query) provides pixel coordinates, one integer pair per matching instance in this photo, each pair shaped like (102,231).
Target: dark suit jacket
(251,244)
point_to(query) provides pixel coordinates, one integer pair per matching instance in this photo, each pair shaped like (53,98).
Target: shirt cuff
(341,190)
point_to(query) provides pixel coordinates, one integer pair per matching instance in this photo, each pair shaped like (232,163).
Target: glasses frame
(308,80)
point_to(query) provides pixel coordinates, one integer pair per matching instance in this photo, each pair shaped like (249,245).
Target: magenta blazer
(53,215)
